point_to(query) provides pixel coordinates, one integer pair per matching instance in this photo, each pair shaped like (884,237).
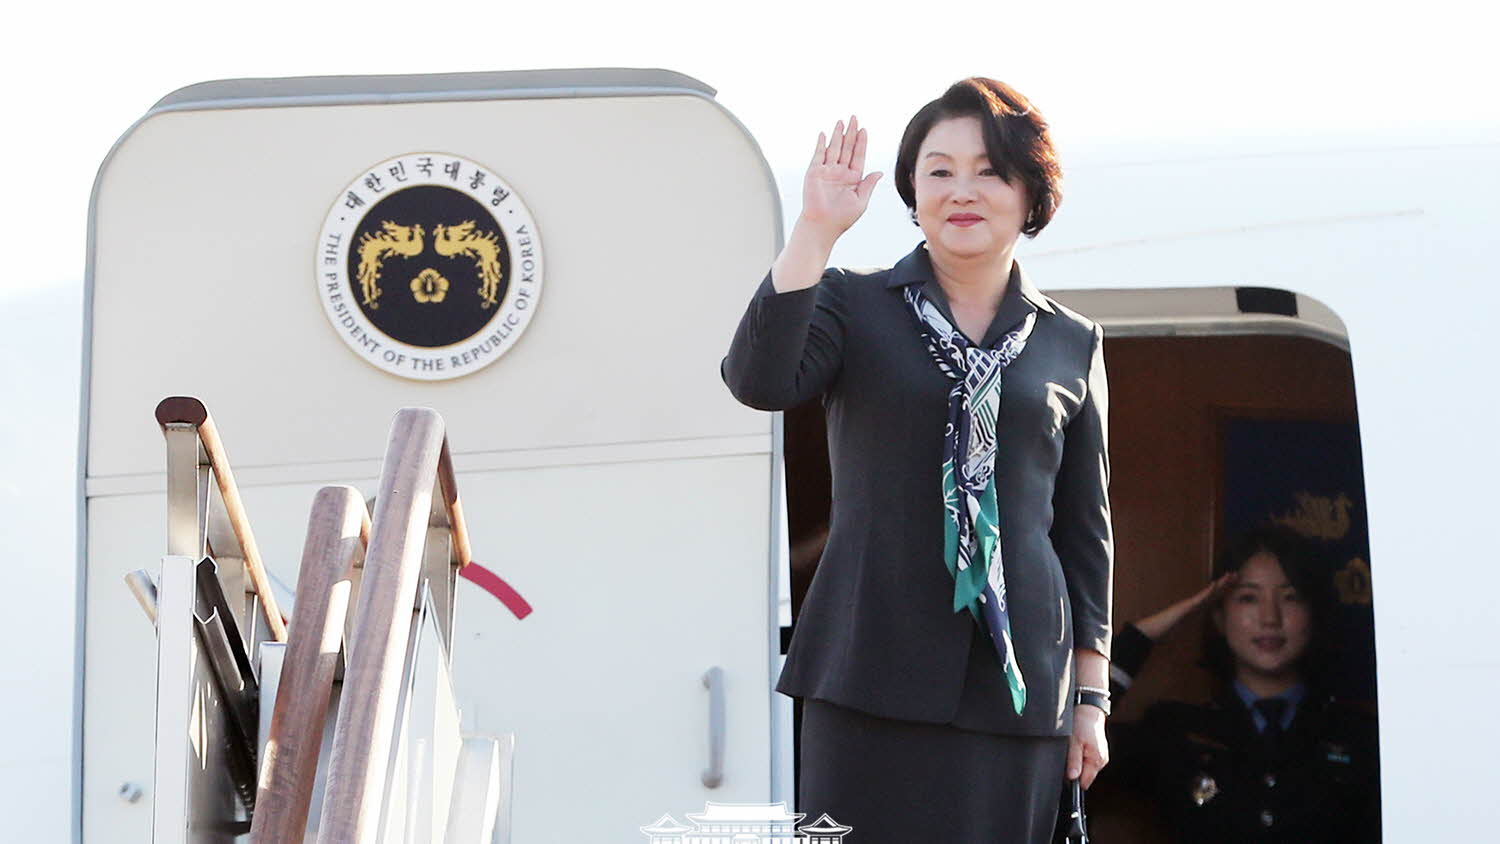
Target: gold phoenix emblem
(1319,516)
(375,247)
(463,239)
(483,247)
(429,286)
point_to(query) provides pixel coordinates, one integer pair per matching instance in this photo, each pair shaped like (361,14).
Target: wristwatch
(1093,698)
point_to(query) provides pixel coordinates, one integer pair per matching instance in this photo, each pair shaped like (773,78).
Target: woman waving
(952,648)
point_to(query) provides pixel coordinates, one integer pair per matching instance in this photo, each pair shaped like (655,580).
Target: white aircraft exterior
(611,479)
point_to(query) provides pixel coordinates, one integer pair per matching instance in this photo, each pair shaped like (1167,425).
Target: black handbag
(1072,823)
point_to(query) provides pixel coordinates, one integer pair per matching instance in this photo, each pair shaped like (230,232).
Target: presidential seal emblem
(429,266)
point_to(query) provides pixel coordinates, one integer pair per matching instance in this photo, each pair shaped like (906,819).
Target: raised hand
(1159,623)
(836,191)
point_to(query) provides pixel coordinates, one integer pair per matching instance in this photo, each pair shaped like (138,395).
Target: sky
(1099,71)
(1107,76)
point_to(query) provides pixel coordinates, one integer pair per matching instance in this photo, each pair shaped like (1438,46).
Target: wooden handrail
(337,532)
(456,524)
(358,766)
(187,410)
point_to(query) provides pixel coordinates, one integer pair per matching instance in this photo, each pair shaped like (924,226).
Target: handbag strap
(1078,821)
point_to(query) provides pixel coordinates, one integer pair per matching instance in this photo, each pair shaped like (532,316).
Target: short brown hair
(1015,139)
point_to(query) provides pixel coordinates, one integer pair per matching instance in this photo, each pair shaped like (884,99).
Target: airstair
(333,719)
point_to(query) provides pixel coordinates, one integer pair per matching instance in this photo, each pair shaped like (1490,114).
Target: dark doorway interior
(1188,416)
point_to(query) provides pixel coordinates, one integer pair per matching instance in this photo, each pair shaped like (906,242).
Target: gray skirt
(903,781)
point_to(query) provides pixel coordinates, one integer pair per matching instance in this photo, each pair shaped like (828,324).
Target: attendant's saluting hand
(836,191)
(1159,623)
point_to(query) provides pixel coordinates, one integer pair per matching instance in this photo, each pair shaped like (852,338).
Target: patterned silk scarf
(971,519)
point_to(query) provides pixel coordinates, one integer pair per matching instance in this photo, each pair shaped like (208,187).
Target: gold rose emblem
(429,286)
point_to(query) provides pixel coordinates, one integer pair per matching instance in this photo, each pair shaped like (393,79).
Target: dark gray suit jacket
(877,631)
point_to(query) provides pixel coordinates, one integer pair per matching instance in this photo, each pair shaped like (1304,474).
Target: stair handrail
(338,531)
(188,411)
(456,524)
(417,466)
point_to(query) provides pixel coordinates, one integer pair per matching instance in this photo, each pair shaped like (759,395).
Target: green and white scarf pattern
(971,519)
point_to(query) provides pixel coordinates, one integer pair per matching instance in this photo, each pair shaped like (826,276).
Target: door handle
(713,680)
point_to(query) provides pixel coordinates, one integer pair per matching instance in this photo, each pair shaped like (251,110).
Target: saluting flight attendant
(963,599)
(1273,757)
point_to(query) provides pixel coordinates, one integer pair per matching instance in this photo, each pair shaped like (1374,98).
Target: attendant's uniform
(1299,768)
(908,728)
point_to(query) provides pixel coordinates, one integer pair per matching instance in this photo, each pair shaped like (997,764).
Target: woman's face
(963,206)
(1265,621)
